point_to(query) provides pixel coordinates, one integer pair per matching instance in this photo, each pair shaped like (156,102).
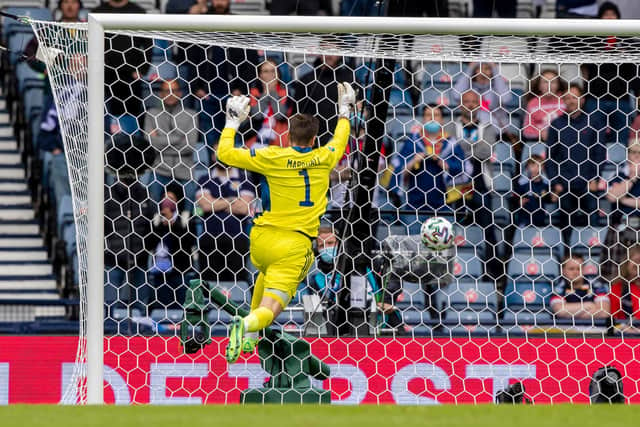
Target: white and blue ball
(437,233)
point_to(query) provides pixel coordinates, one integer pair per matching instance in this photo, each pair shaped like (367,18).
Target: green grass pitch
(325,416)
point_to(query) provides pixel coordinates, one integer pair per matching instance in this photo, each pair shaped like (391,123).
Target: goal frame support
(98,24)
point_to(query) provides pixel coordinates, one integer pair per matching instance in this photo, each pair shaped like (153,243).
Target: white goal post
(99,24)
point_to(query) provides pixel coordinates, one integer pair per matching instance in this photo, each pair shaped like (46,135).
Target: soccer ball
(437,233)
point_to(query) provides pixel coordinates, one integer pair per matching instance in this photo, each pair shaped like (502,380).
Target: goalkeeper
(294,197)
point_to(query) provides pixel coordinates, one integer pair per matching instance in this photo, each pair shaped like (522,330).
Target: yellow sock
(258,319)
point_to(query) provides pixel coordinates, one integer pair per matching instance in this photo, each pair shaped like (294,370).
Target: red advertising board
(409,371)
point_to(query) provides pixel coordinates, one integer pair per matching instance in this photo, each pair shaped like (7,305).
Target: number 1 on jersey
(307,189)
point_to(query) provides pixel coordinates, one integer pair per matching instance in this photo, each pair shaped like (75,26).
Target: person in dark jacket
(224,203)
(210,69)
(128,211)
(127,60)
(172,243)
(315,92)
(575,155)
(610,85)
(533,191)
(127,227)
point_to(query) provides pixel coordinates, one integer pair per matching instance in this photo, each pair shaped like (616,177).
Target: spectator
(609,85)
(172,130)
(210,69)
(575,154)
(430,164)
(574,297)
(492,88)
(224,203)
(533,191)
(477,137)
(625,293)
(304,8)
(171,256)
(543,106)
(127,224)
(315,92)
(126,61)
(270,107)
(624,219)
(486,8)
(341,174)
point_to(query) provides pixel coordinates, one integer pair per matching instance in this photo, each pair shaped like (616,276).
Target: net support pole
(95,212)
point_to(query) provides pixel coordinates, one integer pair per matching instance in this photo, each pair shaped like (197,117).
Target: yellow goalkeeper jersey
(294,196)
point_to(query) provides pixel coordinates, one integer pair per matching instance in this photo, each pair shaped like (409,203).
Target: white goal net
(527,144)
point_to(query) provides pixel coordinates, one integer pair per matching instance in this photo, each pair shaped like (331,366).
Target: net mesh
(519,142)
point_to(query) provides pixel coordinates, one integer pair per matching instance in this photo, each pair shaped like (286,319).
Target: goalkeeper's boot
(236,335)
(249,344)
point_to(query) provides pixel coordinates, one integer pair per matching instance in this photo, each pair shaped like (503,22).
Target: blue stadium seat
(416,317)
(527,295)
(525,266)
(526,318)
(470,317)
(470,330)
(219,317)
(502,181)
(290,317)
(469,237)
(538,240)
(237,292)
(412,296)
(503,154)
(533,148)
(588,240)
(467,265)
(617,153)
(461,295)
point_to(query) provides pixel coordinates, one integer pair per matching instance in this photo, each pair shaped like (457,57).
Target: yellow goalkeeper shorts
(284,257)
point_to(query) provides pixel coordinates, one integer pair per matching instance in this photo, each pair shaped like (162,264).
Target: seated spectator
(543,106)
(171,257)
(270,108)
(173,133)
(533,190)
(432,168)
(574,297)
(575,154)
(224,204)
(624,218)
(493,90)
(625,293)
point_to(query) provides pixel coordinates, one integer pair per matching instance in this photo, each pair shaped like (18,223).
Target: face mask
(432,126)
(328,254)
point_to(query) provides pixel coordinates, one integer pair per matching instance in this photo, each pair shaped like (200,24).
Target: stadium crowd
(539,173)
